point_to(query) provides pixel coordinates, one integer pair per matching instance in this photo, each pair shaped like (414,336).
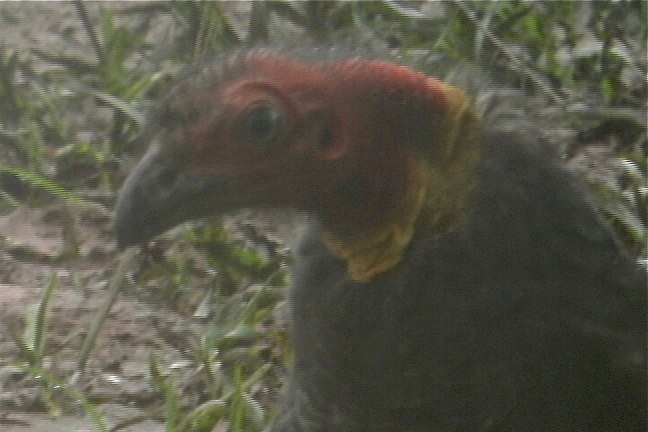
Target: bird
(453,275)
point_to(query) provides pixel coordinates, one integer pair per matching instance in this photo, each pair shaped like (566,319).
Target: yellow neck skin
(437,196)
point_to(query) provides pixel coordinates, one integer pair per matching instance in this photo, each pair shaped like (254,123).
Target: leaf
(205,416)
(46,184)
(122,106)
(78,65)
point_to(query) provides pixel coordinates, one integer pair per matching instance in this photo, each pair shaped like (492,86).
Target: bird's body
(508,323)
(454,278)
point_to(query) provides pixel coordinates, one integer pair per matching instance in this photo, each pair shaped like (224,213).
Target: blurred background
(190,335)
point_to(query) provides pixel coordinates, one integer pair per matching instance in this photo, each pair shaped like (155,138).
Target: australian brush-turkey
(453,278)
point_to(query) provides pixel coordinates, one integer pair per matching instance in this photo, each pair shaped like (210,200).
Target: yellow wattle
(380,250)
(437,196)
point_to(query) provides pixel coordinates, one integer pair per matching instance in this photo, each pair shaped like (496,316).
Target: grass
(567,55)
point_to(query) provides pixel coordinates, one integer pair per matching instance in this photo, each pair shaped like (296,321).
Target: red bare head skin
(362,144)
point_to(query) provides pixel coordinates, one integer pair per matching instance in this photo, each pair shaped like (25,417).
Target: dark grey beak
(159,194)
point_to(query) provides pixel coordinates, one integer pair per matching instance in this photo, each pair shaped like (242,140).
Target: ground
(33,254)
(51,243)
(71,248)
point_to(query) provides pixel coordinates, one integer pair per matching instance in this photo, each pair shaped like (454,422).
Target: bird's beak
(160,194)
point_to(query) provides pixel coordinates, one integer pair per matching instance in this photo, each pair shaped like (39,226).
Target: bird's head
(372,148)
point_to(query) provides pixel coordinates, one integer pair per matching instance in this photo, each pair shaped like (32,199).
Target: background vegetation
(581,65)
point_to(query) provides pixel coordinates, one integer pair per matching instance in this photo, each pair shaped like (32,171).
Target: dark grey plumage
(530,318)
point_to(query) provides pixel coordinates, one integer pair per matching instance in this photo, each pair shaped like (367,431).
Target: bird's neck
(415,191)
(381,239)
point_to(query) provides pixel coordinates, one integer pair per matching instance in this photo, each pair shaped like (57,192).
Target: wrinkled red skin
(351,187)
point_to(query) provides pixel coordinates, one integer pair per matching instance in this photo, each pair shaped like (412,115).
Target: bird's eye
(260,124)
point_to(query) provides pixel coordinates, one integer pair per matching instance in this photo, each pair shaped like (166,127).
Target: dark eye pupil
(261,124)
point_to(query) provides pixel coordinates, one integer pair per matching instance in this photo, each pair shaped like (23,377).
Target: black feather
(529,318)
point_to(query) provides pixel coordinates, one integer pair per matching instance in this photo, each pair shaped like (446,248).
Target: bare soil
(73,248)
